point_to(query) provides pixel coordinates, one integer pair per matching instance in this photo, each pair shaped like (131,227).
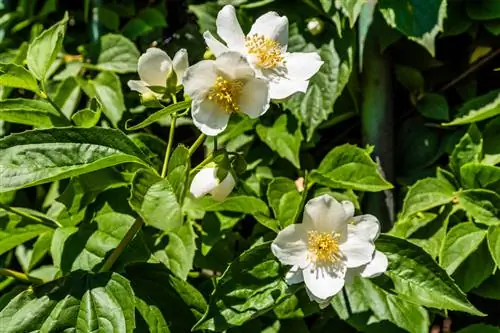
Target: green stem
(108,264)
(215,143)
(169,145)
(19,276)
(207,160)
(197,143)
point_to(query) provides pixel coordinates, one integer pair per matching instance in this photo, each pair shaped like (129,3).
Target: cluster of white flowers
(331,244)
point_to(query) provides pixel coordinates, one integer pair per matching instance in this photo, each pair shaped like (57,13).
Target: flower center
(323,246)
(266,50)
(226,93)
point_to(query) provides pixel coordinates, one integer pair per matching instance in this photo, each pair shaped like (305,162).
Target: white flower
(265,47)
(155,67)
(223,86)
(328,243)
(206,181)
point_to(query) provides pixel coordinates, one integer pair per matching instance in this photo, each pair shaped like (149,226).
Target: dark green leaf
(494,243)
(481,176)
(477,109)
(468,149)
(67,96)
(41,156)
(15,231)
(426,194)
(462,240)
(482,205)
(33,112)
(284,137)
(349,167)
(160,293)
(154,199)
(480,328)
(433,106)
(284,199)
(15,76)
(44,49)
(483,10)
(249,287)
(118,54)
(79,302)
(419,279)
(108,91)
(478,267)
(178,171)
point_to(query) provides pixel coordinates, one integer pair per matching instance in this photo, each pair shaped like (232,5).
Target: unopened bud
(315,26)
(150,100)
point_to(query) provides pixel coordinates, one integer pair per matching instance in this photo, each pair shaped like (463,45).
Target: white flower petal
(367,226)
(283,88)
(294,275)
(254,98)
(348,208)
(229,29)
(180,64)
(209,117)
(302,66)
(322,303)
(154,66)
(325,214)
(234,66)
(356,250)
(199,78)
(273,26)
(290,246)
(377,266)
(214,45)
(324,281)
(225,188)
(139,86)
(204,182)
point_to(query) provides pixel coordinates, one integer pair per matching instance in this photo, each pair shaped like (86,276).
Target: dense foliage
(102,228)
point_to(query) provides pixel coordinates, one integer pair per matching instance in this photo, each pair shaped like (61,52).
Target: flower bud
(315,26)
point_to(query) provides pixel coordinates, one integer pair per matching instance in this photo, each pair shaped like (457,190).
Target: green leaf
(67,96)
(325,86)
(386,306)
(296,305)
(16,76)
(44,49)
(462,240)
(32,112)
(407,225)
(86,117)
(14,231)
(284,199)
(85,247)
(118,54)
(418,278)
(40,156)
(159,115)
(154,199)
(490,288)
(40,248)
(433,106)
(176,249)
(350,167)
(494,243)
(284,137)
(483,10)
(426,194)
(419,20)
(476,269)
(108,91)
(480,328)
(477,109)
(350,8)
(482,205)
(468,149)
(161,294)
(79,302)
(250,286)
(411,78)
(178,171)
(240,204)
(481,176)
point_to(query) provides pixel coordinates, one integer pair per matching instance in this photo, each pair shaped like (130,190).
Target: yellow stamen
(323,247)
(226,93)
(266,50)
